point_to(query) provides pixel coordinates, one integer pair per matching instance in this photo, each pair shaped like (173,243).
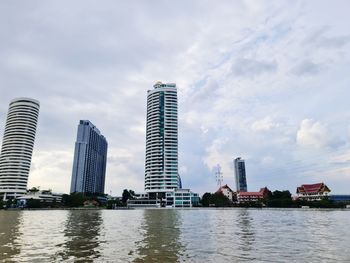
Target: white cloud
(265,124)
(246,72)
(316,135)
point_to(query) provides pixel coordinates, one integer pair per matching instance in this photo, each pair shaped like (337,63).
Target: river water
(166,235)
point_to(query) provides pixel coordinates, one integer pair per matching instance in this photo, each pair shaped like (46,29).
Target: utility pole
(218,175)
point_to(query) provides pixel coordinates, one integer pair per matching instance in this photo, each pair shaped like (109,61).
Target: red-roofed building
(312,192)
(227,191)
(250,197)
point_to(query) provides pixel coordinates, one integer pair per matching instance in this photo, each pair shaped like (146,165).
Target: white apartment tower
(161,168)
(17,147)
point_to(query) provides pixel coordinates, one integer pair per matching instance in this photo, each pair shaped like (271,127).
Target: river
(167,235)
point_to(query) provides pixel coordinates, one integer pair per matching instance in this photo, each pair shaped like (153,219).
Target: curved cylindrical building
(17,147)
(161,169)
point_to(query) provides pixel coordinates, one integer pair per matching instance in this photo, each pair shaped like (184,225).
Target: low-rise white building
(42,195)
(176,198)
(181,198)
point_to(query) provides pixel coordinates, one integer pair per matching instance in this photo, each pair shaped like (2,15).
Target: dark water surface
(198,235)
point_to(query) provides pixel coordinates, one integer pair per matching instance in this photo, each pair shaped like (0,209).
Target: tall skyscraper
(240,175)
(90,158)
(17,147)
(161,168)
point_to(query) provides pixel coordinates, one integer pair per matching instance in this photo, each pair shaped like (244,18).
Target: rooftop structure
(246,197)
(312,192)
(227,191)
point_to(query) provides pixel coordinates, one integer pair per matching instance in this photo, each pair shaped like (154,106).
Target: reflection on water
(9,233)
(245,232)
(81,232)
(161,236)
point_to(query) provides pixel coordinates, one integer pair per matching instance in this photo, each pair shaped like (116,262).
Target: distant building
(42,195)
(161,166)
(17,147)
(181,198)
(227,191)
(177,198)
(312,192)
(240,175)
(90,157)
(163,186)
(251,197)
(340,198)
(141,195)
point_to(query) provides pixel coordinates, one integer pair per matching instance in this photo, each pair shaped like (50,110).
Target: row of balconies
(20,134)
(21,123)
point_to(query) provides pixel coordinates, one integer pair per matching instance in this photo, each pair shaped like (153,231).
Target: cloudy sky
(265,80)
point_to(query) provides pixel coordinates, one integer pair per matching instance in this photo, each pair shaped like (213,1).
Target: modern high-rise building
(90,158)
(161,168)
(17,147)
(240,175)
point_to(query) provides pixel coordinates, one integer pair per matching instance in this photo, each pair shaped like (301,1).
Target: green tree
(220,200)
(206,199)
(73,200)
(279,199)
(113,203)
(126,195)
(33,203)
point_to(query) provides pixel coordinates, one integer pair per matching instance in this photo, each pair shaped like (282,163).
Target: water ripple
(155,235)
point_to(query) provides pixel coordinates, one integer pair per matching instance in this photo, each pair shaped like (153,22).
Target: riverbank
(179,208)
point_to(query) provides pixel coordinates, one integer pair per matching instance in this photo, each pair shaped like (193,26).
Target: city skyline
(265,81)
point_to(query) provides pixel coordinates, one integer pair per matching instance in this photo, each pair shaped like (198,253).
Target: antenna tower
(218,175)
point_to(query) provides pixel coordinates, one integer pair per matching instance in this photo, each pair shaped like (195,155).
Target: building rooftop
(24,99)
(262,192)
(224,187)
(312,188)
(160,84)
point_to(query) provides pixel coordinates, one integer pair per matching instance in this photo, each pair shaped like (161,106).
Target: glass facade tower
(90,158)
(161,167)
(17,147)
(240,175)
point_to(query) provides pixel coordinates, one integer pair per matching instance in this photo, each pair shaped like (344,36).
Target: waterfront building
(227,191)
(240,175)
(143,203)
(17,147)
(312,192)
(253,197)
(181,198)
(161,166)
(42,195)
(141,195)
(340,198)
(90,158)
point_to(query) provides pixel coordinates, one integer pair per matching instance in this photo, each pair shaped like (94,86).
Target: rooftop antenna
(218,175)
